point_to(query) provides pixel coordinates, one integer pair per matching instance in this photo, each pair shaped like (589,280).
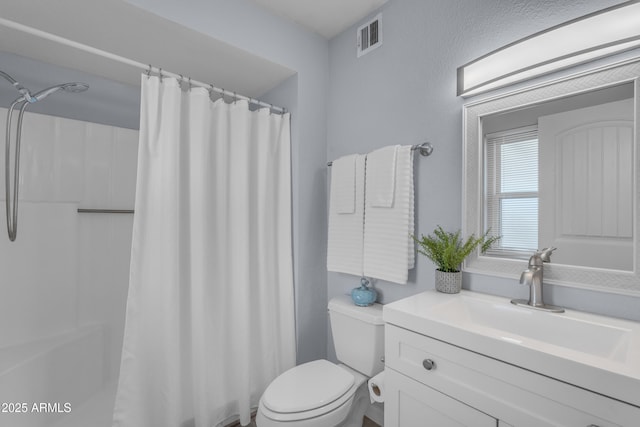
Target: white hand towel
(381,176)
(388,247)
(346,230)
(343,193)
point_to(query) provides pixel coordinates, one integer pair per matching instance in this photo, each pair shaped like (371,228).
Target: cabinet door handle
(429,364)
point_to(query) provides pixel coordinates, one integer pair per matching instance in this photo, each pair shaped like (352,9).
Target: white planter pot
(449,283)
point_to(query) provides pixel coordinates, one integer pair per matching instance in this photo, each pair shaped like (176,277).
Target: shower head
(74,87)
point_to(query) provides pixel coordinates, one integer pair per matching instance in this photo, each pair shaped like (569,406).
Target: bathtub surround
(66,276)
(27,376)
(210,313)
(71,269)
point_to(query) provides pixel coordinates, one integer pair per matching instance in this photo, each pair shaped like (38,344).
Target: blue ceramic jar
(364,295)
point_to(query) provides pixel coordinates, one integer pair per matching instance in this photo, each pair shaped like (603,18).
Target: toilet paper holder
(377,388)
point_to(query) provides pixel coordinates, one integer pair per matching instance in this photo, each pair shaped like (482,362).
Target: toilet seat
(308,390)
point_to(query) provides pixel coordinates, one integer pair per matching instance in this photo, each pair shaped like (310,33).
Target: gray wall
(405,93)
(247,26)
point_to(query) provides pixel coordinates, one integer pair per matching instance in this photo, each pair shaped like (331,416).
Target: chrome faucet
(532,277)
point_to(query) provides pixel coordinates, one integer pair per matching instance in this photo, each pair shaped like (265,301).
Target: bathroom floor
(365,423)
(368,423)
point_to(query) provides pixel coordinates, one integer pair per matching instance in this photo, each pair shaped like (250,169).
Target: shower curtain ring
(235,97)
(160,74)
(149,71)
(189,84)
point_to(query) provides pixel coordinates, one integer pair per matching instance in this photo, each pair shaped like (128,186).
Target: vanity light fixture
(606,32)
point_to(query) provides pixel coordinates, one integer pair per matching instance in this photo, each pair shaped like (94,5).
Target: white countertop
(598,353)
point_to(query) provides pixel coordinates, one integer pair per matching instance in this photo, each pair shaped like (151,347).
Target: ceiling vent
(370,35)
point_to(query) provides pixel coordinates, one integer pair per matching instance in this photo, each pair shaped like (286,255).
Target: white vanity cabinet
(410,403)
(432,383)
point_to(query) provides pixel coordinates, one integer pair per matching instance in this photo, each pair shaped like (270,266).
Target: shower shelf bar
(425,149)
(144,67)
(109,211)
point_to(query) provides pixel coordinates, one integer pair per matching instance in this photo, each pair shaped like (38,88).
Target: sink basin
(598,353)
(574,331)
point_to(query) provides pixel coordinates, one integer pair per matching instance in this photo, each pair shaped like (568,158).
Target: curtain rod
(144,67)
(425,149)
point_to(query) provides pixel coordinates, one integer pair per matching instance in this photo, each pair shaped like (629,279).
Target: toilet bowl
(315,394)
(326,394)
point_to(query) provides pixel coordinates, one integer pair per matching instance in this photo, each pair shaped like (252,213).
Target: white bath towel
(343,194)
(388,247)
(346,230)
(381,176)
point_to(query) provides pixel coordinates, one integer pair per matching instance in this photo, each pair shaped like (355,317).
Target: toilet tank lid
(344,304)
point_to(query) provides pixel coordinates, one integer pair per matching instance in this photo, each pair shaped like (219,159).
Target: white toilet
(324,394)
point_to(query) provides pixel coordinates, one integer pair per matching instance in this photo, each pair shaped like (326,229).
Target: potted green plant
(448,250)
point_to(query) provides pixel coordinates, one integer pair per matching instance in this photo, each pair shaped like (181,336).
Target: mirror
(556,165)
(559,174)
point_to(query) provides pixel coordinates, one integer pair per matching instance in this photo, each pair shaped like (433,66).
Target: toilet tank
(358,335)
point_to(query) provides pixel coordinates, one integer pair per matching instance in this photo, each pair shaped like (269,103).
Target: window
(512,190)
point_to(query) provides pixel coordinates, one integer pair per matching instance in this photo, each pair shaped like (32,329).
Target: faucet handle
(545,254)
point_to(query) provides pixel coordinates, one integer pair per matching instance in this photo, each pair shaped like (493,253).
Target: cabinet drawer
(409,403)
(511,394)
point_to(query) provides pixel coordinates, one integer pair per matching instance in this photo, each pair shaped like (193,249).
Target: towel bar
(425,149)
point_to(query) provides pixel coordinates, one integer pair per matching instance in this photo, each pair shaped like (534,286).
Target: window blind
(512,190)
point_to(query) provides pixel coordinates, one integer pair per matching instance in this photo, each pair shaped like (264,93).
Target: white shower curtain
(210,315)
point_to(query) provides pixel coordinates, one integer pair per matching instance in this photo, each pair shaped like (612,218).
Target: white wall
(68,269)
(405,93)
